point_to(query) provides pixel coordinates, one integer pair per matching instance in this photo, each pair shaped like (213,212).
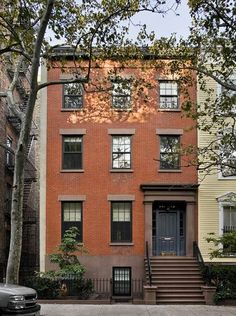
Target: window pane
(229,218)
(72,217)
(169,152)
(122,281)
(73,95)
(121,152)
(72,152)
(168,94)
(121,222)
(121,95)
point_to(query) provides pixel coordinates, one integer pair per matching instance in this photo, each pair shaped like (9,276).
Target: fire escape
(30,239)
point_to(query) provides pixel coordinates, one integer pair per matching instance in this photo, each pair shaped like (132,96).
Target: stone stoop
(178,280)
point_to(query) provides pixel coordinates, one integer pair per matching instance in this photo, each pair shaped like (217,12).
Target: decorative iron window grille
(121,281)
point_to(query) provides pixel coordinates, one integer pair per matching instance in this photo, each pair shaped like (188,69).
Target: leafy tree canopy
(213,39)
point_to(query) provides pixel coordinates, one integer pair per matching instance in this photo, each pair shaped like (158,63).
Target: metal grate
(122,281)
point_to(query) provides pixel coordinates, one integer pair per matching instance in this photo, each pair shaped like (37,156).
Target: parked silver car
(18,300)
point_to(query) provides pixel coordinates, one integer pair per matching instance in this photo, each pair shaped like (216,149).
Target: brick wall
(97,181)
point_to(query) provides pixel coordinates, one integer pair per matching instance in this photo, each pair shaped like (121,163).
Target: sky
(170,23)
(176,21)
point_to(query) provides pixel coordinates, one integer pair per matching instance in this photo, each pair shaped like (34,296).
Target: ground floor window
(229,218)
(121,221)
(72,217)
(121,281)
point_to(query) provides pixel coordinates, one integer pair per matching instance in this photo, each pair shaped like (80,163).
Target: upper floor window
(121,95)
(121,152)
(170,152)
(168,94)
(72,152)
(121,223)
(73,96)
(72,217)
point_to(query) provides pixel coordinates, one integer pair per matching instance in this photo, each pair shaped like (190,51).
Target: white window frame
(228,199)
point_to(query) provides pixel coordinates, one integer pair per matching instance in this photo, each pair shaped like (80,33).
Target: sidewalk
(135,310)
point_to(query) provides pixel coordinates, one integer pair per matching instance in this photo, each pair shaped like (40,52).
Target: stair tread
(178,280)
(180,300)
(179,291)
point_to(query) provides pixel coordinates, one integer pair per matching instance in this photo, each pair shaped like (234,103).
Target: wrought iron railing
(149,265)
(205,269)
(229,229)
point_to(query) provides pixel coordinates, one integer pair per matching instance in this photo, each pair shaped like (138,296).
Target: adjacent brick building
(111,165)
(9,132)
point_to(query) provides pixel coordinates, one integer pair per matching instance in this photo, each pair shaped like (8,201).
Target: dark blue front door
(167,232)
(169,237)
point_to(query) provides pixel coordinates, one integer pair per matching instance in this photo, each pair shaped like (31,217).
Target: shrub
(69,278)
(45,285)
(224,278)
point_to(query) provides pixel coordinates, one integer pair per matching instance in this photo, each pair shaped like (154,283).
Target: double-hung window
(121,95)
(168,94)
(121,152)
(229,218)
(73,96)
(121,221)
(229,226)
(72,152)
(170,152)
(72,217)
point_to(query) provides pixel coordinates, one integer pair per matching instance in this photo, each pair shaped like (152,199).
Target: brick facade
(99,184)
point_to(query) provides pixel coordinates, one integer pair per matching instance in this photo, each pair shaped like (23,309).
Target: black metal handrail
(149,265)
(206,270)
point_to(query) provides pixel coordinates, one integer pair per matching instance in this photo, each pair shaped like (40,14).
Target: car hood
(13,289)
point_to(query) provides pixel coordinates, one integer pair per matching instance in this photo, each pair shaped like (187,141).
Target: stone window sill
(72,170)
(121,244)
(71,110)
(169,110)
(169,170)
(121,170)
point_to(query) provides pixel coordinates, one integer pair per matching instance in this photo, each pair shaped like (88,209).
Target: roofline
(69,53)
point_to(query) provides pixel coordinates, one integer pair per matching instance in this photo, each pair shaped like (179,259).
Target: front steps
(178,280)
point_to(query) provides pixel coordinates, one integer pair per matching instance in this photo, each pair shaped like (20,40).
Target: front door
(167,233)
(169,230)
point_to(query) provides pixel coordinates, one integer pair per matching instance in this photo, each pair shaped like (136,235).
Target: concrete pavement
(135,310)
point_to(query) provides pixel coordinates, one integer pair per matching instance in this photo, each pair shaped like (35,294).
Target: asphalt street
(135,310)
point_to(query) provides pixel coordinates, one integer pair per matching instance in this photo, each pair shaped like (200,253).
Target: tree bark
(13,264)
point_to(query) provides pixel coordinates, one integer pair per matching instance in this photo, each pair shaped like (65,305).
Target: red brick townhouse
(110,165)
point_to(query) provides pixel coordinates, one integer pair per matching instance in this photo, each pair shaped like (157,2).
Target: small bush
(85,289)
(47,287)
(224,278)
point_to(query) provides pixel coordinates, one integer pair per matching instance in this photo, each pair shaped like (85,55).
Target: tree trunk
(13,264)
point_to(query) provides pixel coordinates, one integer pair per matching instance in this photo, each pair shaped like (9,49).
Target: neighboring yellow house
(217,195)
